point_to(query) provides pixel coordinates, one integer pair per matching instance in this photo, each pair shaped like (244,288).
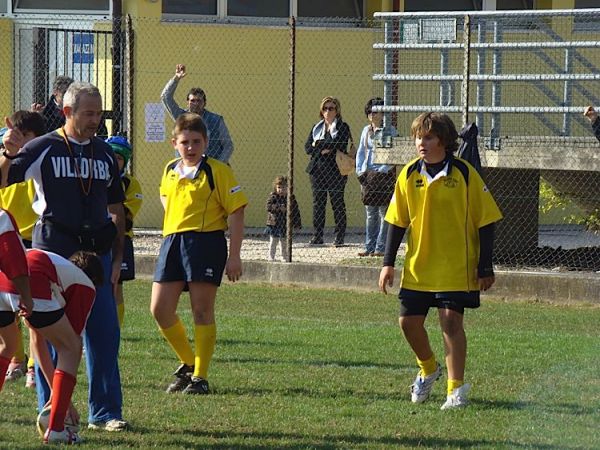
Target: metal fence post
(466,63)
(292,106)
(567,92)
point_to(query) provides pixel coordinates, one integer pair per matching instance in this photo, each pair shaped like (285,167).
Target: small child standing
(277,217)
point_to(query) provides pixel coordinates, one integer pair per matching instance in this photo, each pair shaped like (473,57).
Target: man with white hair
(79,201)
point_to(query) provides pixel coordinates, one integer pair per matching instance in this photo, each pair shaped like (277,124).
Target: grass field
(297,368)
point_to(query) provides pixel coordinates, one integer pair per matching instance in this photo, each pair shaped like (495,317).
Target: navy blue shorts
(128,263)
(192,256)
(417,303)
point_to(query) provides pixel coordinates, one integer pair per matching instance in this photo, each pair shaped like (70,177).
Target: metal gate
(85,55)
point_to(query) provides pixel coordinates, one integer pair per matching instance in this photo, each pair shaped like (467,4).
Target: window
(514,4)
(80,5)
(266,8)
(436,5)
(258,8)
(204,7)
(582,4)
(330,8)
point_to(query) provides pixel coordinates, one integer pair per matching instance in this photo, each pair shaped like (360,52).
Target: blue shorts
(192,256)
(417,303)
(128,263)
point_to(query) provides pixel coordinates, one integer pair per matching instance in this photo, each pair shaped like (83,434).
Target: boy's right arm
(392,244)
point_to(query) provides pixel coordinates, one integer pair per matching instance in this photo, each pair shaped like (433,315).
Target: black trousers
(333,184)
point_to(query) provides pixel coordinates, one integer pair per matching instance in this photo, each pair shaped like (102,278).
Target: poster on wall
(154,122)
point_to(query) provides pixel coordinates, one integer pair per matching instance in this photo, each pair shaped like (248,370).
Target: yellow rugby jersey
(443,216)
(191,205)
(133,200)
(17,199)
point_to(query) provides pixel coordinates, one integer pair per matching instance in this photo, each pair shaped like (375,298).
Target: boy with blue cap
(132,204)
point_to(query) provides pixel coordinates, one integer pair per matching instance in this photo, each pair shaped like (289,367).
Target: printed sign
(83,48)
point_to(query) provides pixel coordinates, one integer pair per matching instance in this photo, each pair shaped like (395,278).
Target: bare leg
(9,336)
(414,331)
(455,343)
(164,301)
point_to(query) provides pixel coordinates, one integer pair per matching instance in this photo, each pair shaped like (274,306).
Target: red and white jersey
(12,251)
(57,283)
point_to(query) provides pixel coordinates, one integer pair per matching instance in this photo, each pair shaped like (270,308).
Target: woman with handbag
(327,137)
(376,182)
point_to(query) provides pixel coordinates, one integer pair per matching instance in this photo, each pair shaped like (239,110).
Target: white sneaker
(422,386)
(109,425)
(458,398)
(65,436)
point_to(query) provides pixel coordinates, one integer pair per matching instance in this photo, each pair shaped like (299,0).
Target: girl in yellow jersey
(201,198)
(449,214)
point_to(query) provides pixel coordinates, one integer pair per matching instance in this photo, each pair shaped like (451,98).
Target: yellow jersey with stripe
(443,215)
(17,199)
(192,204)
(133,201)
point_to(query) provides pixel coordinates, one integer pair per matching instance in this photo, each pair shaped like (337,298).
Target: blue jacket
(220,145)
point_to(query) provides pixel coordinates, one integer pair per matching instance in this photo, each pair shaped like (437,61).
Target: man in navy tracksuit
(79,200)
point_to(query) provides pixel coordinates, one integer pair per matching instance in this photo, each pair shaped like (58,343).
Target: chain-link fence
(525,79)
(529,77)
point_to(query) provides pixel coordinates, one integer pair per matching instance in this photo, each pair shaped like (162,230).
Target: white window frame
(222,13)
(29,12)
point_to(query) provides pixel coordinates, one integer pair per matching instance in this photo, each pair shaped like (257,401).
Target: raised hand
(13,139)
(180,71)
(37,107)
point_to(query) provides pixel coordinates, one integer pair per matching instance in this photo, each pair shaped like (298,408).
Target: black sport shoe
(315,241)
(183,377)
(197,386)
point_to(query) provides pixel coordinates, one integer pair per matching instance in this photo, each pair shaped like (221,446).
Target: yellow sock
(427,366)
(453,384)
(120,313)
(30,363)
(20,351)
(205,339)
(177,339)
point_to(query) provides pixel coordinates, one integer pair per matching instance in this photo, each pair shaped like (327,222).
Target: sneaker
(30,378)
(16,370)
(379,254)
(315,241)
(109,425)
(183,377)
(422,386)
(458,398)
(338,243)
(61,437)
(197,386)
(363,254)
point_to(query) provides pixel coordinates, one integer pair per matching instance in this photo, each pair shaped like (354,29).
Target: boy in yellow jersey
(200,196)
(449,214)
(132,205)
(17,199)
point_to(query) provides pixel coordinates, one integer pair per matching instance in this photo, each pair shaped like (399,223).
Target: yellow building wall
(6,76)
(244,71)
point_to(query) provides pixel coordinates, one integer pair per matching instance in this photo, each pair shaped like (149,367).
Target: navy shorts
(6,318)
(192,256)
(128,263)
(417,303)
